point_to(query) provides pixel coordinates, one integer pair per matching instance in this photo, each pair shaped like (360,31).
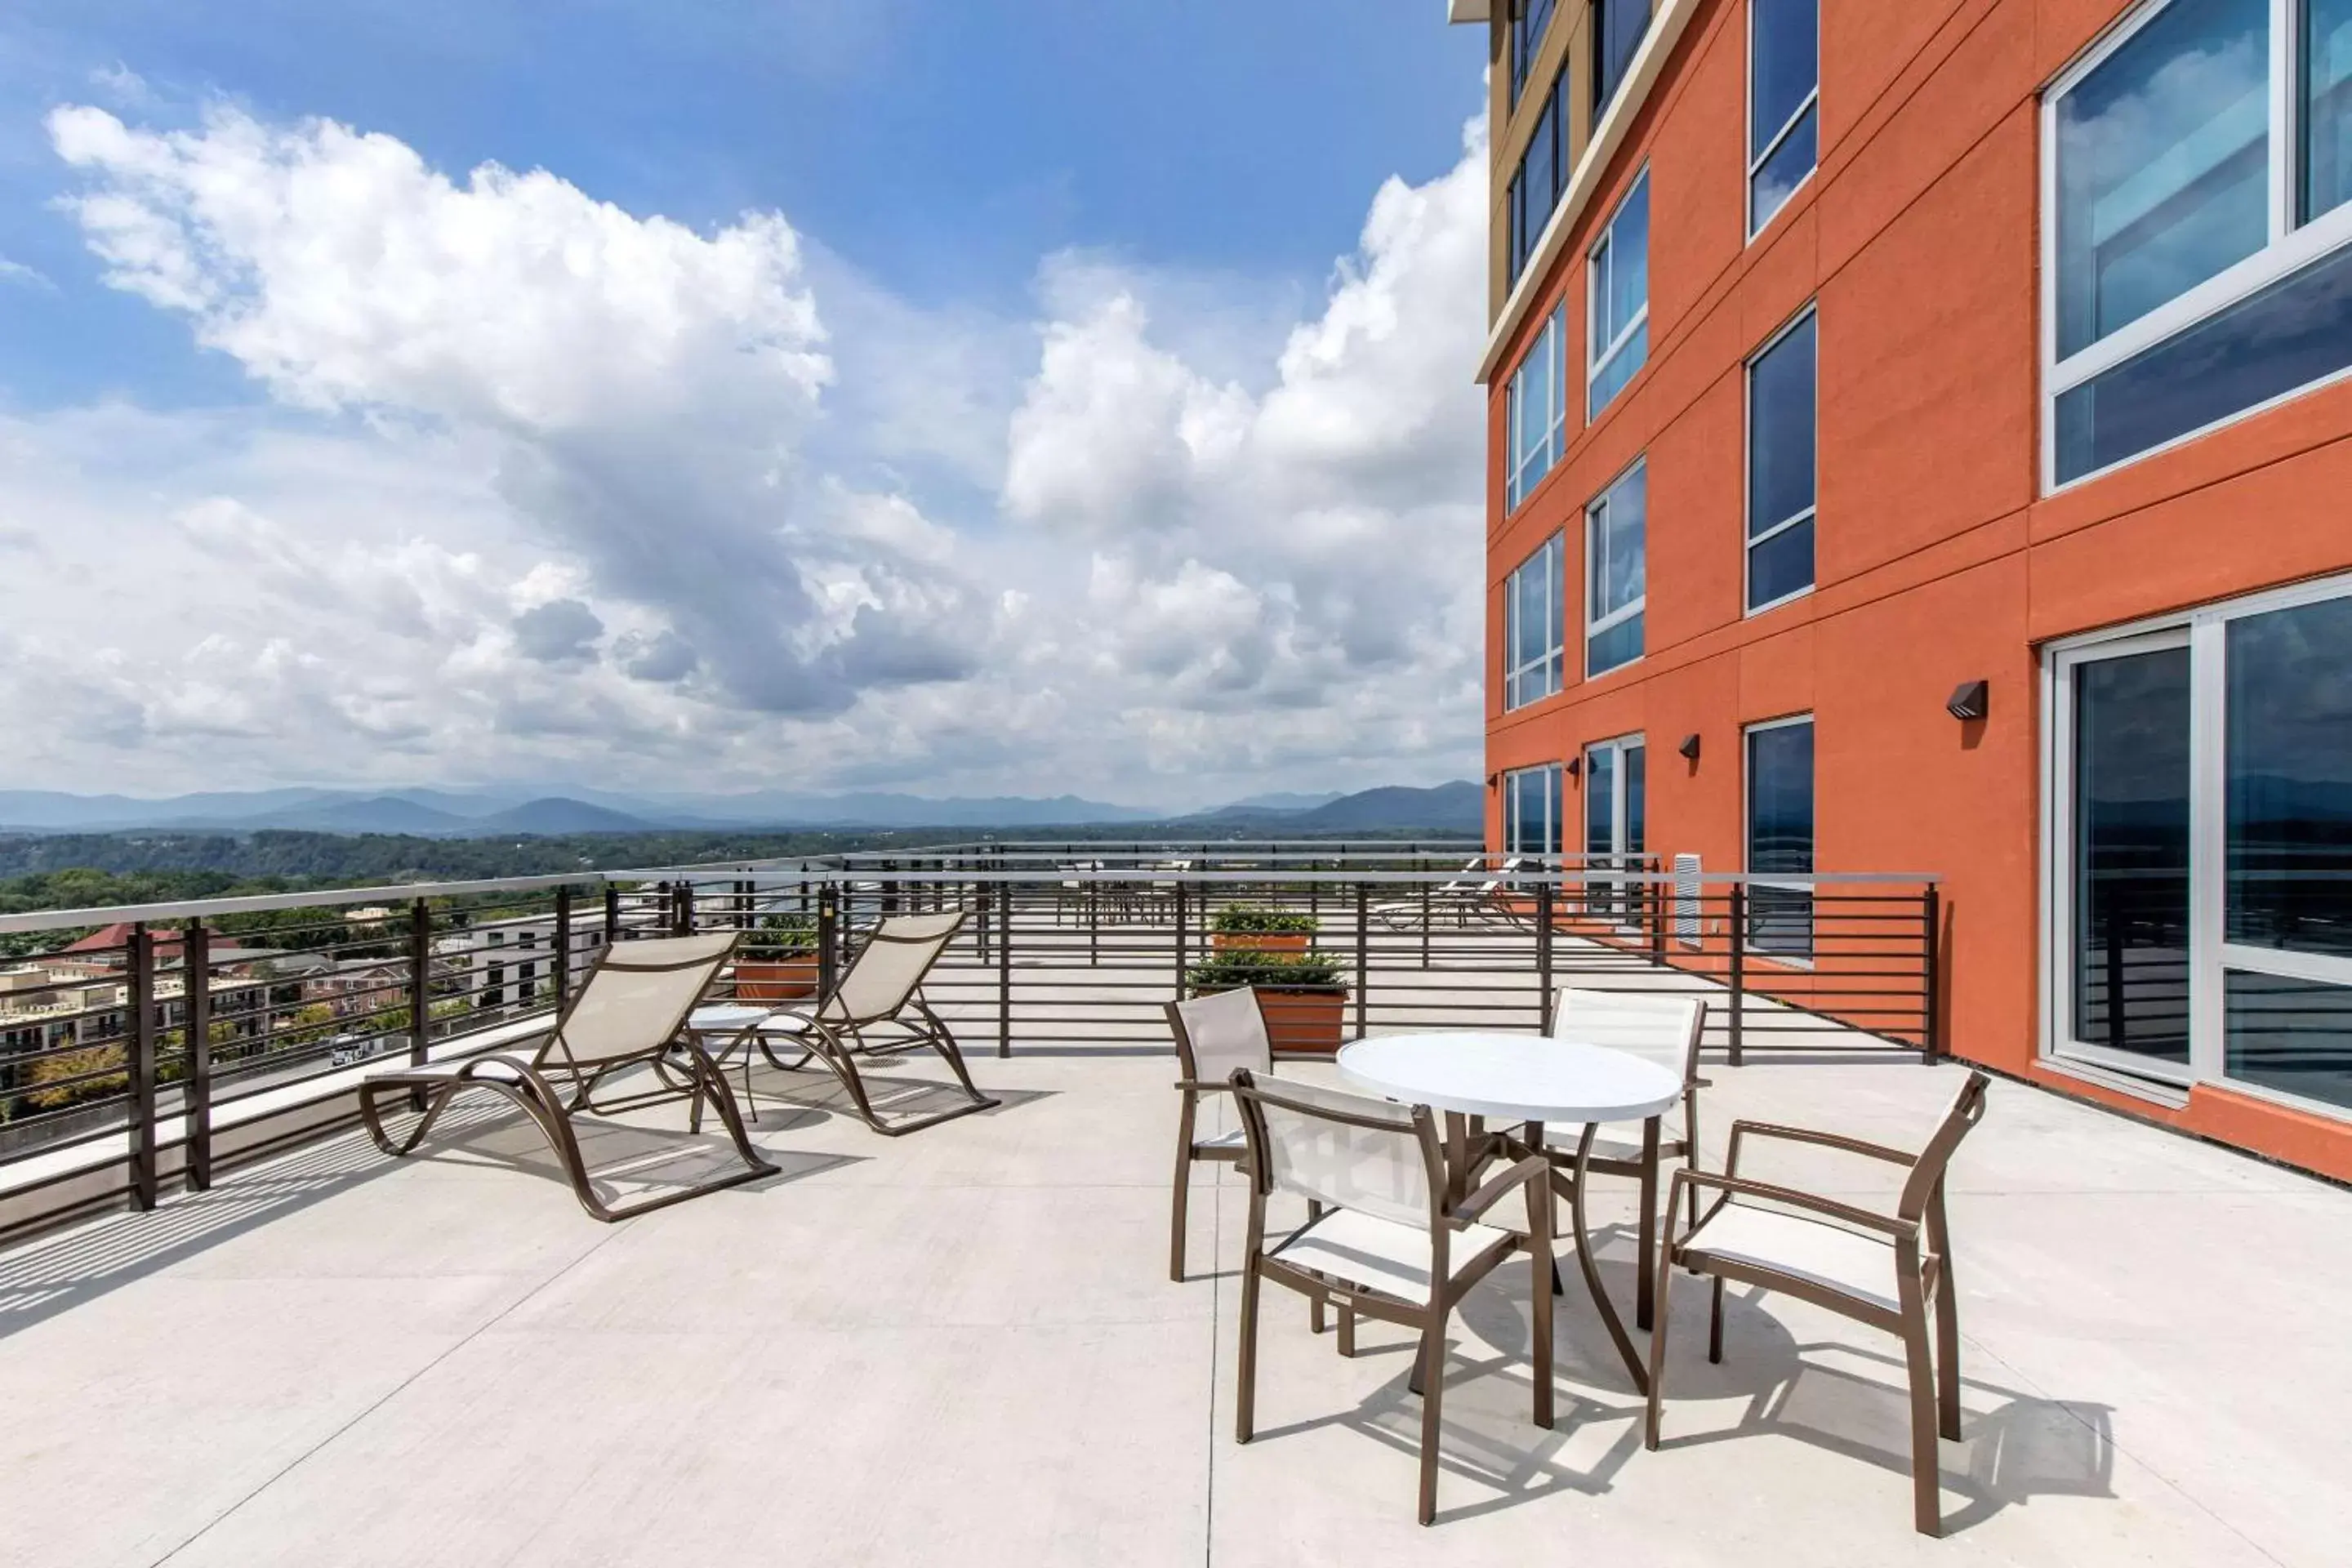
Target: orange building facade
(1849,354)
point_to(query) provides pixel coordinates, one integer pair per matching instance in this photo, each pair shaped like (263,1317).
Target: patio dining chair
(1216,1034)
(628,1014)
(876,1008)
(1382,1240)
(1659,1028)
(1891,1271)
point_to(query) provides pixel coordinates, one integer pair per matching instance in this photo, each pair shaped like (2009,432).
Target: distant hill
(1282,799)
(557,815)
(381,814)
(1457,808)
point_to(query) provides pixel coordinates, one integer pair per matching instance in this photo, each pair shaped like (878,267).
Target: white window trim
(1555,806)
(2288,248)
(1555,548)
(1640,602)
(2204,631)
(1808,884)
(1747,469)
(1550,351)
(1619,792)
(1600,355)
(1756,159)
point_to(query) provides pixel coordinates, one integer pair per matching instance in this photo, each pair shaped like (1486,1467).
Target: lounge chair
(1216,1034)
(629,1013)
(1876,1269)
(1660,1028)
(1474,894)
(1387,1244)
(875,1007)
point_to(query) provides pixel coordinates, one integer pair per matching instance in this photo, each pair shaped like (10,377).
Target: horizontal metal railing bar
(262,903)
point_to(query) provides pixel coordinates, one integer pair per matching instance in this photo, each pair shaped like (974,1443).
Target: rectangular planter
(1259,940)
(1304,1023)
(784,980)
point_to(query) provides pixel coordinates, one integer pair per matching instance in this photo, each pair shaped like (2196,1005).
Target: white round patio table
(1530,1078)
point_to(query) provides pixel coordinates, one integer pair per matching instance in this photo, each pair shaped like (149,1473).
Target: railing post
(681,918)
(1180,935)
(612,914)
(828,939)
(1656,910)
(1363,957)
(1543,954)
(563,950)
(141,1047)
(1421,867)
(1738,966)
(1004,968)
(1931,1028)
(197,1011)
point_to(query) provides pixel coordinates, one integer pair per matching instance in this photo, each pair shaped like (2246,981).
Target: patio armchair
(1660,1028)
(1215,1036)
(629,1013)
(1382,1239)
(875,1007)
(1891,1271)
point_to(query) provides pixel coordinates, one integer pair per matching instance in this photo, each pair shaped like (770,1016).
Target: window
(1620,298)
(1532,806)
(2200,187)
(1784,96)
(1537,411)
(1534,625)
(1781,837)
(1529,20)
(1616,554)
(2201,808)
(1536,187)
(1616,782)
(1618,26)
(1780,466)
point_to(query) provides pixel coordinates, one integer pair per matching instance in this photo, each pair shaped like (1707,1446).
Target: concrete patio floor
(962,1346)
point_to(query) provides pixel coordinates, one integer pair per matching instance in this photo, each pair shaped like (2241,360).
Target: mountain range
(494,813)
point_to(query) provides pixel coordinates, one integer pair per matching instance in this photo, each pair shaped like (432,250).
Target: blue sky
(1171,194)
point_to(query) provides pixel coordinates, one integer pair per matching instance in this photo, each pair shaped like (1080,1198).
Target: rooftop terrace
(962,1346)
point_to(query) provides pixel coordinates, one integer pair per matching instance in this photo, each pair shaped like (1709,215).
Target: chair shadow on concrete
(1851,1398)
(46,1276)
(811,1091)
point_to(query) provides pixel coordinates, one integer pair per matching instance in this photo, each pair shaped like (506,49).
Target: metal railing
(175,1037)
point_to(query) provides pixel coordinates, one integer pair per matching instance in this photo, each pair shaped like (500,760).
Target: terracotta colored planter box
(782,981)
(1260,941)
(1302,1023)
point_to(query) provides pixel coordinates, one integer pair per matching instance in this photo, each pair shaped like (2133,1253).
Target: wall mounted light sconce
(1971,700)
(1575,766)
(1493,780)
(1689,748)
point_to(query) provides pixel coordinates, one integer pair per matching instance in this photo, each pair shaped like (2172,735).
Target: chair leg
(1927,1502)
(1658,1355)
(1315,1318)
(1645,1281)
(1347,1330)
(1246,1383)
(1948,1356)
(1432,1376)
(1714,1326)
(1183,1192)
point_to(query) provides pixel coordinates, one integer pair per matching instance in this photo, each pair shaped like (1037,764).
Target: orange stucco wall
(1937,560)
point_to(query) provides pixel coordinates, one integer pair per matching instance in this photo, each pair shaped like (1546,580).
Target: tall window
(2200,894)
(1780,836)
(1621,298)
(1529,20)
(1534,624)
(1537,411)
(1784,93)
(1780,465)
(1616,554)
(1532,803)
(1618,26)
(1616,782)
(1537,184)
(2201,167)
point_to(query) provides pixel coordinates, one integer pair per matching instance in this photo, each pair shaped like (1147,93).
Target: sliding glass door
(2201,806)
(1616,784)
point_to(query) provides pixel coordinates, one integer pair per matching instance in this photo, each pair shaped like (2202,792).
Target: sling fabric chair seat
(1382,1237)
(630,1012)
(1215,1036)
(1657,1027)
(876,1005)
(1893,1272)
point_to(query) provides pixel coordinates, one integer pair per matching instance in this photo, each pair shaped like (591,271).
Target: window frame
(2289,245)
(1555,546)
(1809,881)
(2204,631)
(1555,805)
(1599,8)
(1616,882)
(1598,356)
(1550,340)
(1759,157)
(1750,540)
(1530,39)
(1639,604)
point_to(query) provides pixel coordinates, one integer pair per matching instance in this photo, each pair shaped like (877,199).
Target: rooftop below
(962,1346)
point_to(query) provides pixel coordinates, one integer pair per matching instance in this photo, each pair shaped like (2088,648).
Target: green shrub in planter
(1257,920)
(780,937)
(1233,969)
